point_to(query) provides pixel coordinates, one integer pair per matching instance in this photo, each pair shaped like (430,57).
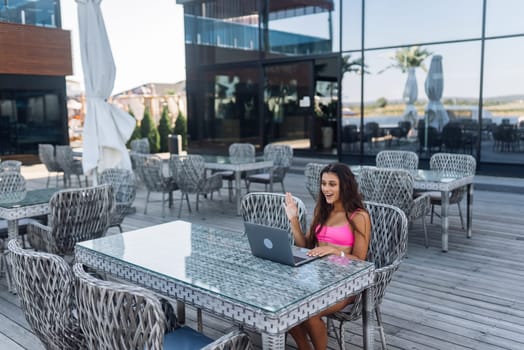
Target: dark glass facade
(338,78)
(32,86)
(32,111)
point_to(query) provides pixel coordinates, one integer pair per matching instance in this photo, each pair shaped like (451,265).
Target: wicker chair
(140,146)
(397,159)
(149,170)
(45,287)
(395,187)
(387,248)
(75,215)
(11,165)
(119,316)
(124,190)
(238,153)
(71,166)
(266,208)
(190,175)
(452,164)
(312,172)
(12,189)
(282,157)
(46,153)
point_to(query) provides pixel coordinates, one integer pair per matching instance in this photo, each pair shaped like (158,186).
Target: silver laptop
(273,244)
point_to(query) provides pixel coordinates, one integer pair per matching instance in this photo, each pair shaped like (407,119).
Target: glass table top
(221,262)
(225,159)
(29,198)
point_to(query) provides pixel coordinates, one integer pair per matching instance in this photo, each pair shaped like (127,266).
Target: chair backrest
(241,153)
(387,248)
(140,145)
(453,164)
(12,186)
(10,165)
(281,155)
(118,316)
(78,215)
(123,183)
(189,172)
(149,169)
(45,286)
(312,173)
(388,186)
(266,208)
(397,159)
(64,158)
(452,136)
(46,153)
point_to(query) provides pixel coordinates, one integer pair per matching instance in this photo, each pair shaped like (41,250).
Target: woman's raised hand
(290,206)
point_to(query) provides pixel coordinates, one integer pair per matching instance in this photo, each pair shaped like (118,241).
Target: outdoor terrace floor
(467,298)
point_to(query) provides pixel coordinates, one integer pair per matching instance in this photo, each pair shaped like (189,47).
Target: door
(288,104)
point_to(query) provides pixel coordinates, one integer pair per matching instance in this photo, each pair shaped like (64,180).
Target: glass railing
(43,13)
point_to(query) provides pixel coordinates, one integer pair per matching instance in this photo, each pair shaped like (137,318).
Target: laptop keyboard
(298,259)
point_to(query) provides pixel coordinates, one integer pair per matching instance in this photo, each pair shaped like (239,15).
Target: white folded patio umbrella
(410,96)
(434,87)
(106,127)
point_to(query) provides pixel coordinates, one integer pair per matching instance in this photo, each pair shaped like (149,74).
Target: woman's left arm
(362,234)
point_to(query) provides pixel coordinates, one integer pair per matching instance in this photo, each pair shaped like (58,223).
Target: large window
(390,23)
(504,17)
(291,31)
(28,118)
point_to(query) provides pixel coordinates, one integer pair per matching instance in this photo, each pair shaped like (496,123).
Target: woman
(341,226)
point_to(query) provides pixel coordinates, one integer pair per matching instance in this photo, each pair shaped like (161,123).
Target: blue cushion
(185,338)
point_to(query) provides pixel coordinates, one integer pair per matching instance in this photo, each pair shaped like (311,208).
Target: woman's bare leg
(317,332)
(299,334)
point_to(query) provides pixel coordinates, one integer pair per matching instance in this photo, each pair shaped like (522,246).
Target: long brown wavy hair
(349,195)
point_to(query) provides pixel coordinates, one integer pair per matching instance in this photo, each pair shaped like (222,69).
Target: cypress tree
(149,130)
(181,128)
(136,132)
(164,129)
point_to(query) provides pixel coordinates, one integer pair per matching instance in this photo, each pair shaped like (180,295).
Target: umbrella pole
(426,133)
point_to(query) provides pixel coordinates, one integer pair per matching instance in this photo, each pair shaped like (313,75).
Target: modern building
(348,78)
(35,58)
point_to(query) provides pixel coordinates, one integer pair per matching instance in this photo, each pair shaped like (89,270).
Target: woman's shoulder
(360,216)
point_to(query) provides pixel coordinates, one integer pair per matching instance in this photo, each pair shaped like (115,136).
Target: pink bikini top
(339,235)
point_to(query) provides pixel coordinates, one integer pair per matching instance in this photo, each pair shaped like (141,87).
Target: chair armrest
(234,340)
(420,206)
(39,235)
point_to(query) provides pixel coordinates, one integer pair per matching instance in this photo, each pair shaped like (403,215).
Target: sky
(146,37)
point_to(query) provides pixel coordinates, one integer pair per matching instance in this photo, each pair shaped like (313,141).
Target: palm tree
(408,59)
